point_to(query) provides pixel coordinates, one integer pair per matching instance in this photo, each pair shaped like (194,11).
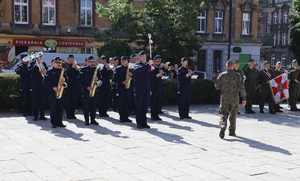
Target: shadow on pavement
(98,129)
(59,132)
(171,125)
(172,138)
(259,145)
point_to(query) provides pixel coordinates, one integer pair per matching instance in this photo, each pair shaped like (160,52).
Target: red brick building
(64,26)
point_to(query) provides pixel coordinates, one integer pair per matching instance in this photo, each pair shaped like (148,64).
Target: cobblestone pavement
(267,149)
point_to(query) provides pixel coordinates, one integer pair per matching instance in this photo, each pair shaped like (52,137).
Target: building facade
(63,26)
(213,28)
(275,30)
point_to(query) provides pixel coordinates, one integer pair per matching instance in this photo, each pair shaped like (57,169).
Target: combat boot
(222,133)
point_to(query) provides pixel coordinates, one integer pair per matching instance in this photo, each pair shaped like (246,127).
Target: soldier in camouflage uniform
(293,76)
(231,88)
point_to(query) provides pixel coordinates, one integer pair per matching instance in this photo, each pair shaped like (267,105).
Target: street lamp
(229,30)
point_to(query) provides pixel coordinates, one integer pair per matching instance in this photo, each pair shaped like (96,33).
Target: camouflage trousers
(229,111)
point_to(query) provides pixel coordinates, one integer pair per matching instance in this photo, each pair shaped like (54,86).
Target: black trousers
(123,105)
(250,96)
(155,104)
(71,101)
(294,94)
(184,101)
(89,107)
(56,110)
(265,95)
(141,102)
(131,101)
(26,101)
(103,96)
(39,97)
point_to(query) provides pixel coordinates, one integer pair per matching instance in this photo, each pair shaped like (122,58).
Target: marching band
(129,85)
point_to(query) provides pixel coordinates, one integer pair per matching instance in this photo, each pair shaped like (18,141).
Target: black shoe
(239,113)
(62,126)
(87,123)
(222,133)
(94,122)
(232,134)
(181,118)
(147,126)
(156,119)
(104,115)
(279,110)
(188,117)
(272,112)
(262,111)
(35,119)
(43,118)
(125,121)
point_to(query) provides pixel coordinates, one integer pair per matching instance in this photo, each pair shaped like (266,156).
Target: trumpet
(61,85)
(94,82)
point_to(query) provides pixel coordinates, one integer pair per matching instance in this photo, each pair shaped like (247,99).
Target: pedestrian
(230,85)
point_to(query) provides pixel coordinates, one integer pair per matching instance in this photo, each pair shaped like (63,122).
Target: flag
(280,88)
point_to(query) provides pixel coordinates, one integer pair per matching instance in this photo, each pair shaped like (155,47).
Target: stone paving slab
(267,149)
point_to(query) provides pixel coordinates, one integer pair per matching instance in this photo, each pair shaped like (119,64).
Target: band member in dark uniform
(156,88)
(141,78)
(123,79)
(293,76)
(184,89)
(114,102)
(89,100)
(24,73)
(55,82)
(104,91)
(278,71)
(38,69)
(72,93)
(251,75)
(265,94)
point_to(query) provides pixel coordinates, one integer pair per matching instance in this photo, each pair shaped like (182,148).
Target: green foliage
(115,48)
(203,92)
(171,22)
(295,40)
(9,91)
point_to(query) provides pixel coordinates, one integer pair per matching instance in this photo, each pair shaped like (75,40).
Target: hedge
(203,92)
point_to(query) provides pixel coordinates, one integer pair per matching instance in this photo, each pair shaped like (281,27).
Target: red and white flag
(280,88)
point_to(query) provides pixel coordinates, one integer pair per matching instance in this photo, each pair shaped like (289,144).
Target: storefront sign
(50,43)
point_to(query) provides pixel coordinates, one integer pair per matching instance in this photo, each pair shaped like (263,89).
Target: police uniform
(89,103)
(293,76)
(184,92)
(23,71)
(230,86)
(39,92)
(56,105)
(264,90)
(104,94)
(141,77)
(250,86)
(156,92)
(122,92)
(73,92)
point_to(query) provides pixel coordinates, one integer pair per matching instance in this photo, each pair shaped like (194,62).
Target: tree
(295,31)
(172,24)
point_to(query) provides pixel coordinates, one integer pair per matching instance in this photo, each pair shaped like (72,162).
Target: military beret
(156,57)
(91,58)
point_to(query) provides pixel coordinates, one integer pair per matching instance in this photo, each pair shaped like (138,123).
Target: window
(275,18)
(86,12)
(202,23)
(246,25)
(21,11)
(274,40)
(278,38)
(219,21)
(48,12)
(285,18)
(284,39)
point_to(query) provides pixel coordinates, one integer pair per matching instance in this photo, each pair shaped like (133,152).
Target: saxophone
(128,77)
(94,82)
(61,85)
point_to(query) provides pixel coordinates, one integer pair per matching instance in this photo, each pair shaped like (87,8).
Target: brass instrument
(61,85)
(94,82)
(40,66)
(128,77)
